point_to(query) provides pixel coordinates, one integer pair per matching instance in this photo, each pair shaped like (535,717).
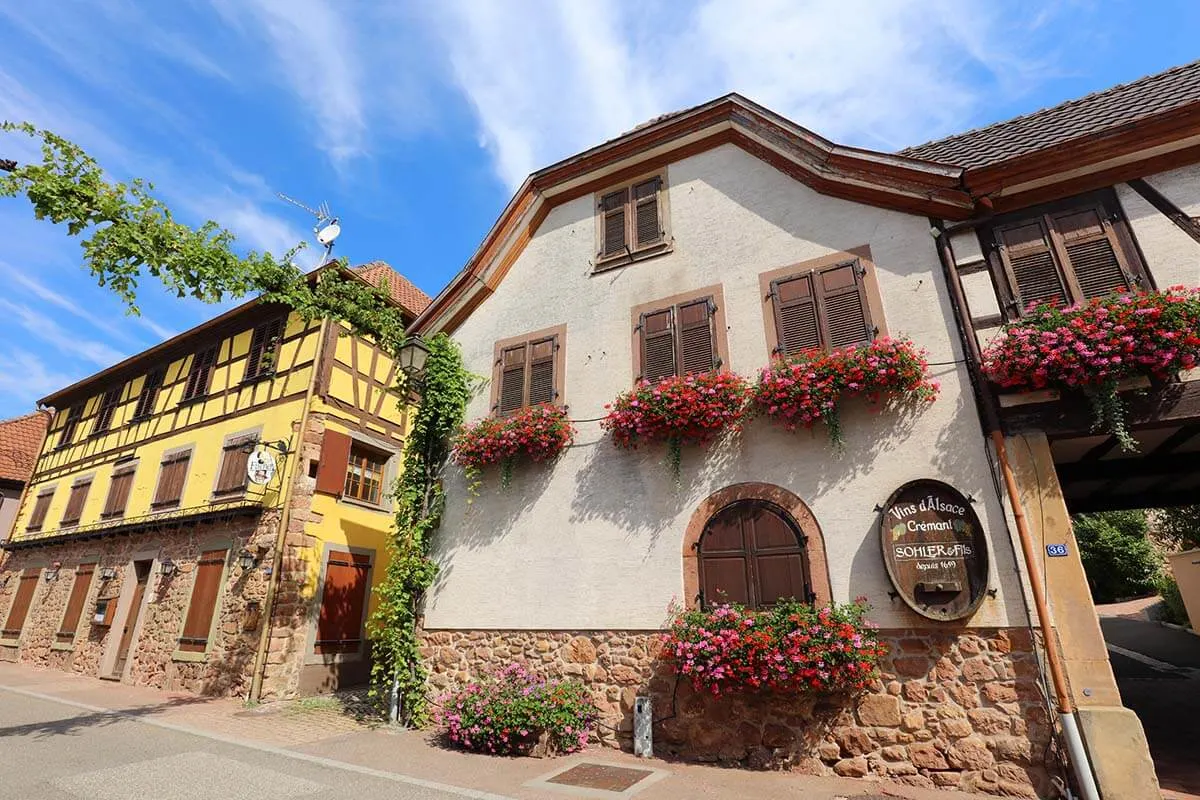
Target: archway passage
(753,553)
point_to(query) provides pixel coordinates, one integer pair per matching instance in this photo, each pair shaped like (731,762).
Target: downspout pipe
(1080,762)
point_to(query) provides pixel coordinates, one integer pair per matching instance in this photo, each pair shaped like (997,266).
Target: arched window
(752,552)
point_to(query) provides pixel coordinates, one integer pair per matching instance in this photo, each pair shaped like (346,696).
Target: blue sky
(415,121)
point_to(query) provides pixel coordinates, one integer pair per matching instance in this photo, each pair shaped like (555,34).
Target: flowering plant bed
(1094,346)
(677,410)
(538,433)
(810,386)
(514,711)
(791,648)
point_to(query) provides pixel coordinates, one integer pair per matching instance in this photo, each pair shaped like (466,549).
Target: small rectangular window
(630,221)
(678,339)
(200,375)
(171,478)
(528,372)
(149,393)
(19,609)
(118,491)
(232,475)
(825,308)
(79,591)
(264,350)
(206,590)
(37,517)
(343,601)
(75,501)
(364,474)
(74,414)
(108,405)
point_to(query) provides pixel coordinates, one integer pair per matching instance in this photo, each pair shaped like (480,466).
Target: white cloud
(48,330)
(25,378)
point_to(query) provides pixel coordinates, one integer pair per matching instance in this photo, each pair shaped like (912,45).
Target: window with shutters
(108,406)
(344,586)
(528,370)
(74,414)
(264,350)
(79,591)
(235,453)
(364,474)
(22,599)
(753,553)
(75,501)
(172,477)
(631,221)
(679,335)
(148,393)
(41,506)
(206,591)
(118,490)
(824,304)
(200,375)
(1064,253)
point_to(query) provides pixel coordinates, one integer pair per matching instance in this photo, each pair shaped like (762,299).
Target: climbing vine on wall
(397,675)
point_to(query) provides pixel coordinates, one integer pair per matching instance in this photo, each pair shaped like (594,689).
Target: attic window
(631,221)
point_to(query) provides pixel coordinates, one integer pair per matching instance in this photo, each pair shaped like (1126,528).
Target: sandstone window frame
(233,443)
(178,654)
(120,469)
(333,468)
(39,512)
(311,656)
(719,326)
(81,488)
(620,197)
(557,336)
(185,453)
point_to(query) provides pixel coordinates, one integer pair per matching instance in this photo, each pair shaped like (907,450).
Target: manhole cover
(600,776)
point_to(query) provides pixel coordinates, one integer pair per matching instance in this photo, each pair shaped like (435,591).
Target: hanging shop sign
(934,549)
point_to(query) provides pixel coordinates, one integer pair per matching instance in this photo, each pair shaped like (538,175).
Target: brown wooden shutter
(613,212)
(68,430)
(75,501)
(205,591)
(724,562)
(335,457)
(1028,257)
(79,591)
(541,371)
(21,602)
(171,478)
(796,323)
(232,477)
(657,330)
(1092,252)
(780,565)
(264,349)
(339,623)
(201,372)
(108,405)
(37,517)
(118,492)
(647,228)
(513,362)
(148,394)
(845,318)
(697,344)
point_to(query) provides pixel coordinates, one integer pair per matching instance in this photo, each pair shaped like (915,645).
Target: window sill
(191,401)
(189,656)
(266,376)
(228,496)
(354,501)
(10,642)
(111,515)
(314,659)
(165,505)
(62,646)
(645,254)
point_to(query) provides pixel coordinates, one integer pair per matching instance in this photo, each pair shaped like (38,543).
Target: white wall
(1172,256)
(594,542)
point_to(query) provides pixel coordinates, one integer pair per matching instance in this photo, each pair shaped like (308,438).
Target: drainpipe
(264,639)
(987,403)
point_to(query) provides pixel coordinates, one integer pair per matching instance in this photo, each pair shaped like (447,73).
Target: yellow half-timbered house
(210,514)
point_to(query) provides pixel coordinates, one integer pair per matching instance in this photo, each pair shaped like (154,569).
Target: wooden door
(142,569)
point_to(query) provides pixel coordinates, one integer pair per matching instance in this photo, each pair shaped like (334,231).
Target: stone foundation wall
(958,710)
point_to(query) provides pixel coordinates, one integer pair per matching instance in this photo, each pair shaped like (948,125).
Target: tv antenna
(327,228)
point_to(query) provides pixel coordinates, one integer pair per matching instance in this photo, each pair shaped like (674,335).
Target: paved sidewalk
(317,731)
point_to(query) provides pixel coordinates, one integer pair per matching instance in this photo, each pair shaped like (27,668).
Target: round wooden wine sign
(934,549)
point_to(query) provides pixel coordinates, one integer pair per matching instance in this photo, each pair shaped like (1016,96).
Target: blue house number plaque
(1056,550)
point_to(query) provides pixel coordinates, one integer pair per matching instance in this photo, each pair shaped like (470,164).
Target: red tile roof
(20,444)
(410,298)
(1118,106)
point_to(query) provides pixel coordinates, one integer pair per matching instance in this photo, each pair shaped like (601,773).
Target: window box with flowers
(678,409)
(790,648)
(1095,347)
(811,386)
(536,433)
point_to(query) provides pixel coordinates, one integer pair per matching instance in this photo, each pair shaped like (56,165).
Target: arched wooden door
(753,553)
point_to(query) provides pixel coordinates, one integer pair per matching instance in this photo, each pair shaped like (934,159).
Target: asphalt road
(51,751)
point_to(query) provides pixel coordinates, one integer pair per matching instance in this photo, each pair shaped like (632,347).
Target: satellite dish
(330,232)
(260,467)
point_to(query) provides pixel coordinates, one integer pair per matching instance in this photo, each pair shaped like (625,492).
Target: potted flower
(679,409)
(791,648)
(810,387)
(1092,347)
(537,433)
